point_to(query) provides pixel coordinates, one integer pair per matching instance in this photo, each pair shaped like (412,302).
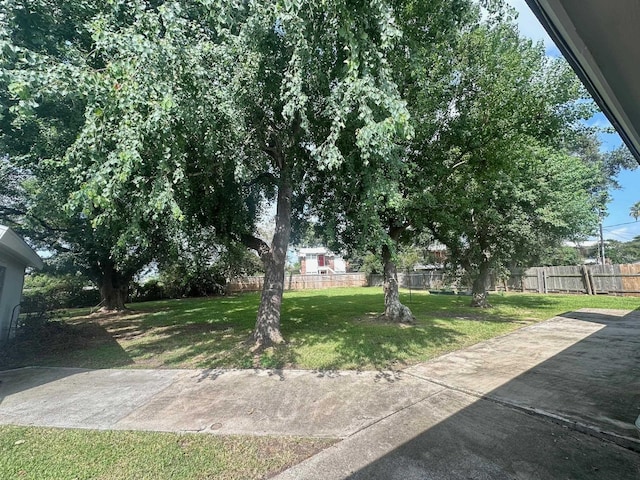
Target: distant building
(319,260)
(15,257)
(435,259)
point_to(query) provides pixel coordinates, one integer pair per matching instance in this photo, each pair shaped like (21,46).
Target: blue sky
(618,225)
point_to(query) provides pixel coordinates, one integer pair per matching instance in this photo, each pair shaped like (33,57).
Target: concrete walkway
(554,400)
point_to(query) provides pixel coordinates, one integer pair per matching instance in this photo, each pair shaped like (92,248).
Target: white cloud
(620,234)
(584,243)
(600,121)
(623,234)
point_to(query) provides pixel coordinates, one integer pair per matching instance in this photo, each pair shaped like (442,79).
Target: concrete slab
(76,398)
(453,435)
(320,404)
(583,367)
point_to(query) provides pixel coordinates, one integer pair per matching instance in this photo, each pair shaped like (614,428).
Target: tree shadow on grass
(330,331)
(327,330)
(337,332)
(371,347)
(57,343)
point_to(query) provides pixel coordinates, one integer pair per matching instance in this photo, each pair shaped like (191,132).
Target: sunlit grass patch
(47,453)
(325,329)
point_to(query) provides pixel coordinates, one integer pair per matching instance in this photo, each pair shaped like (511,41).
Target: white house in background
(319,260)
(15,257)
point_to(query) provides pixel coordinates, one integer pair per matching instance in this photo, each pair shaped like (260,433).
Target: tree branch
(6,211)
(255,243)
(396,231)
(263,176)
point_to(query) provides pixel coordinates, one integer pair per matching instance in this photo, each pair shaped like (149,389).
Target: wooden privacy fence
(588,279)
(431,280)
(584,279)
(300,282)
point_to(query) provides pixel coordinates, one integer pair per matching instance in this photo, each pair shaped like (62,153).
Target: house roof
(314,251)
(15,247)
(601,42)
(436,246)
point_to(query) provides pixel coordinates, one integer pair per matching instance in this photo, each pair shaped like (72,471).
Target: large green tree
(366,204)
(506,187)
(212,109)
(507,216)
(45,45)
(486,107)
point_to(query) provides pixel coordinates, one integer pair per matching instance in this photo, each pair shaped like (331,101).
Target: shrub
(182,280)
(33,316)
(148,291)
(60,291)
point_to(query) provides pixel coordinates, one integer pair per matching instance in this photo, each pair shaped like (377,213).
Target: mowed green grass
(325,329)
(45,453)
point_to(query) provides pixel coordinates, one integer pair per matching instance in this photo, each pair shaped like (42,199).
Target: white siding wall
(11,293)
(311,264)
(339,265)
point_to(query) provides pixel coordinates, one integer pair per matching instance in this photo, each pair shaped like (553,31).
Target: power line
(624,238)
(618,224)
(619,231)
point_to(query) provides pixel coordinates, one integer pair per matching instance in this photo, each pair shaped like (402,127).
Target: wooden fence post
(585,279)
(594,290)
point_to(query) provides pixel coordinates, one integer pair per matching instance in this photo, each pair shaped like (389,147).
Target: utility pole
(601,244)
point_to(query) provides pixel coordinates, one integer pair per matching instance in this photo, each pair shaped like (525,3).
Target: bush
(33,316)
(371,264)
(148,291)
(60,291)
(192,281)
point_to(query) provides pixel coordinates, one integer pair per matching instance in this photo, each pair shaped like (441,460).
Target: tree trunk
(113,299)
(267,329)
(394,311)
(479,292)
(114,288)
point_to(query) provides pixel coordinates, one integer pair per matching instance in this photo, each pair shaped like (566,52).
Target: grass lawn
(325,329)
(46,453)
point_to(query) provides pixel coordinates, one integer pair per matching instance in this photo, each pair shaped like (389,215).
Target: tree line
(133,131)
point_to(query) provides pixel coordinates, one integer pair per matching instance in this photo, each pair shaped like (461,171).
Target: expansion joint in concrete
(623,441)
(395,412)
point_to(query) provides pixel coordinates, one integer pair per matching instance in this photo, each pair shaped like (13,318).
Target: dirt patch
(58,336)
(82,341)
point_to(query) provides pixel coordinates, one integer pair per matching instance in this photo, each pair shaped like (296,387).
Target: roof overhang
(15,247)
(313,251)
(601,42)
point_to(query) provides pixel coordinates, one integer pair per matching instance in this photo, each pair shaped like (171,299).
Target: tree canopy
(46,45)
(486,164)
(131,124)
(210,109)
(504,187)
